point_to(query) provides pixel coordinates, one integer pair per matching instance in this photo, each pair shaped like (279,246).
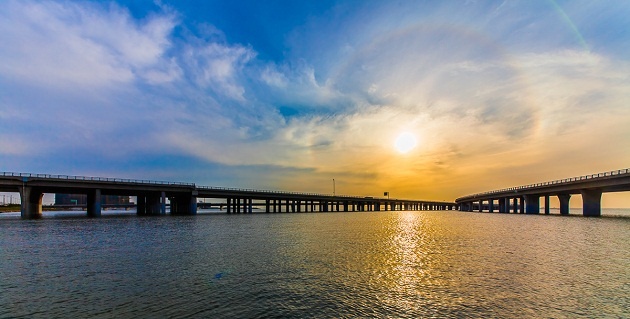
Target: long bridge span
(526,199)
(153,196)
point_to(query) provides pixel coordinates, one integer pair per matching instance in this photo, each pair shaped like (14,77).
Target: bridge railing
(97,179)
(150,182)
(260,191)
(555,182)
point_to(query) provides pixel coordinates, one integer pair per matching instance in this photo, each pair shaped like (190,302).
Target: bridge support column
(141,207)
(546,204)
(480,206)
(31,202)
(564,203)
(532,204)
(184,204)
(504,205)
(228,205)
(153,204)
(491,206)
(591,202)
(94,203)
(162,203)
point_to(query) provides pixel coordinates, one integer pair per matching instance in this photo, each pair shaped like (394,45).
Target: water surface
(359,264)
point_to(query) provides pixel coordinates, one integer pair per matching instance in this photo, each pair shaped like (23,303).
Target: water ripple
(384,265)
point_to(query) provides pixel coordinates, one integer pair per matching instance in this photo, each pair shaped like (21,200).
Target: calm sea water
(323,265)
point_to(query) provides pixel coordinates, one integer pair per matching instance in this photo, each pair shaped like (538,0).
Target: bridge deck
(153,195)
(589,186)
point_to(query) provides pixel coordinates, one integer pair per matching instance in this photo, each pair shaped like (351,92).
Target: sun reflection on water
(410,266)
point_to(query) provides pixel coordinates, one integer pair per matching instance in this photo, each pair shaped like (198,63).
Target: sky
(289,95)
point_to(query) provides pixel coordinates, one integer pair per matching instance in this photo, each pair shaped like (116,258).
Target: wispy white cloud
(217,65)
(67,44)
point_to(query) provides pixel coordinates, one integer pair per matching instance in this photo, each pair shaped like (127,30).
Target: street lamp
(334,191)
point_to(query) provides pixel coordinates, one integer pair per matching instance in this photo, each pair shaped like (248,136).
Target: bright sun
(405,142)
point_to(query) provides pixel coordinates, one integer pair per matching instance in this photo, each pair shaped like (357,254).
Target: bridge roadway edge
(152,195)
(527,198)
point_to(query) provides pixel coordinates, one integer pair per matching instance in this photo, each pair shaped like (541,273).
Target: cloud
(101,77)
(67,44)
(88,80)
(217,66)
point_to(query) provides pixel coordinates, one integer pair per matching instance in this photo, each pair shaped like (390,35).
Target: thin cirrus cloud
(487,89)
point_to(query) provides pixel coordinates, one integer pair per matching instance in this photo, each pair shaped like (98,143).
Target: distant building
(81,199)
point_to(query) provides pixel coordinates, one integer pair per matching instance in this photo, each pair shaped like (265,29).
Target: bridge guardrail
(97,179)
(555,182)
(261,191)
(149,182)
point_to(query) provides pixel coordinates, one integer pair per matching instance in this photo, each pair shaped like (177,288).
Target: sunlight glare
(405,142)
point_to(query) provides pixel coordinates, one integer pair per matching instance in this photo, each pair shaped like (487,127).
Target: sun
(405,142)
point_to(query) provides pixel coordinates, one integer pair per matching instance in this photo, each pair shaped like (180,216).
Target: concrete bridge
(153,196)
(526,199)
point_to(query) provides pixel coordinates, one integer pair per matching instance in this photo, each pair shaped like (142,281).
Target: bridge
(526,199)
(152,197)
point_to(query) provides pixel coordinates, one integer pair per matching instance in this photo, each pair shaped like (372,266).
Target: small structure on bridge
(526,199)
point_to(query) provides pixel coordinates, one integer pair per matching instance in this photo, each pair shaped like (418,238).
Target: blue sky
(291,94)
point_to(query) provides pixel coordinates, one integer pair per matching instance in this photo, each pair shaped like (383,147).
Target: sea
(394,264)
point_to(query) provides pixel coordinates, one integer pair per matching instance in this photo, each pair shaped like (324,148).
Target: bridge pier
(152,205)
(184,204)
(564,203)
(546,204)
(31,202)
(515,205)
(141,206)
(591,202)
(504,205)
(491,206)
(532,204)
(94,203)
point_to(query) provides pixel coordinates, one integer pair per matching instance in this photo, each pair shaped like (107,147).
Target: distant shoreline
(15,208)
